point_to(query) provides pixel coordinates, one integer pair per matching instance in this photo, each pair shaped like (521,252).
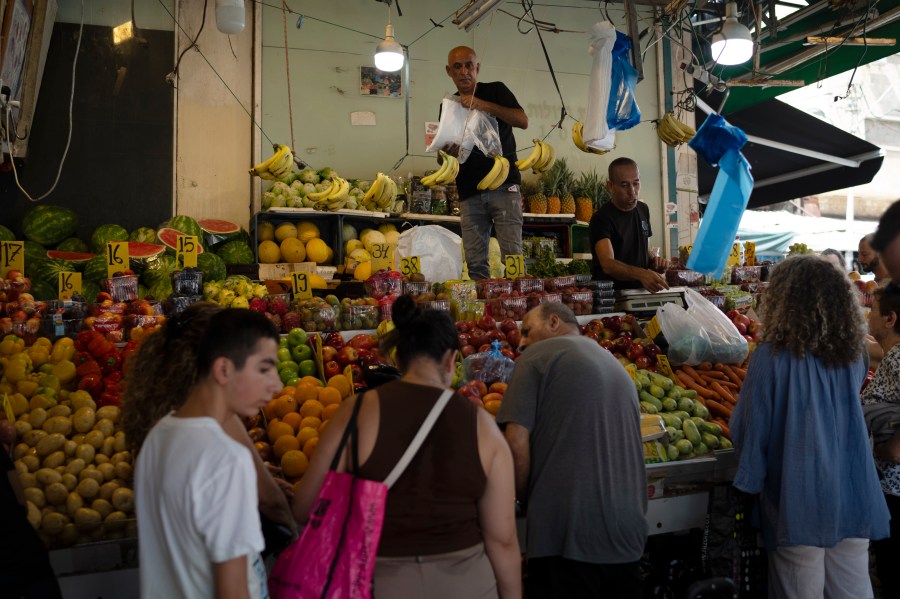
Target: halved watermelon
(169,238)
(69,256)
(217,226)
(140,250)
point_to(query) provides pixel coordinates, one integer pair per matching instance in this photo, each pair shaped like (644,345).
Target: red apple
(357,374)
(472,392)
(643,362)
(363,341)
(462,326)
(508,353)
(508,325)
(652,350)
(332,368)
(463,339)
(731,314)
(607,334)
(622,344)
(592,335)
(467,350)
(334,339)
(606,344)
(479,337)
(624,335)
(514,337)
(487,323)
(484,348)
(635,351)
(328,353)
(482,388)
(744,320)
(741,327)
(347,356)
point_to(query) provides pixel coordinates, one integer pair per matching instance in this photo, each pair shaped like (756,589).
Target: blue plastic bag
(623,112)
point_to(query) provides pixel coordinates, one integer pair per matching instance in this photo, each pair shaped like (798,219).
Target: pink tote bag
(334,557)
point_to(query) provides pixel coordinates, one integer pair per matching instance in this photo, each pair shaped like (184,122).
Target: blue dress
(802,445)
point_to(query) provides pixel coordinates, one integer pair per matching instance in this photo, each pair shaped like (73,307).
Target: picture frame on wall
(373,82)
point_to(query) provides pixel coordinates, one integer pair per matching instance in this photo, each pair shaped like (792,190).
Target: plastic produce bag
(726,344)
(466,128)
(688,342)
(596,131)
(439,251)
(623,112)
(488,367)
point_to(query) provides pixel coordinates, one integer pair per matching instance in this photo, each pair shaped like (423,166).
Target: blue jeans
(503,209)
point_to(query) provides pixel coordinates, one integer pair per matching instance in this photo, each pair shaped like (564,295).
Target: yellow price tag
(116,257)
(734,257)
(653,329)
(380,257)
(69,284)
(410,265)
(749,253)
(632,371)
(300,285)
(12,257)
(663,362)
(515,266)
(7,408)
(186,251)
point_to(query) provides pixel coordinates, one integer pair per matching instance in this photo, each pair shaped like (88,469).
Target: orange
(309,448)
(277,429)
(312,381)
(289,391)
(306,391)
(330,409)
(322,427)
(309,421)
(269,410)
(305,435)
(285,444)
(329,395)
(340,382)
(285,405)
(294,463)
(311,407)
(492,406)
(294,419)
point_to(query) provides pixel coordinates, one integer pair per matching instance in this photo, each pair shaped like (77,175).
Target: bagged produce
(467,129)
(726,344)
(688,342)
(439,251)
(488,367)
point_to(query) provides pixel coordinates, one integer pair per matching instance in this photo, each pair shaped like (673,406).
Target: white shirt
(196,503)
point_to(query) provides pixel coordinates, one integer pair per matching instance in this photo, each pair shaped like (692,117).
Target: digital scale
(641,302)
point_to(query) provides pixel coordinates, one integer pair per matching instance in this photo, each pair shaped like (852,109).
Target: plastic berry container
(122,289)
(528,285)
(558,283)
(176,304)
(580,302)
(471,310)
(491,288)
(507,307)
(188,281)
(359,318)
(317,315)
(441,305)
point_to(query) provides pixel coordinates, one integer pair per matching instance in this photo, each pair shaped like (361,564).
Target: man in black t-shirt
(620,231)
(479,210)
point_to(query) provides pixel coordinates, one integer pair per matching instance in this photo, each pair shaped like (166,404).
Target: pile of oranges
(296,418)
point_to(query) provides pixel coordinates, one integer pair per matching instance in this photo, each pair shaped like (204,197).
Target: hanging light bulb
(389,53)
(732,44)
(230,16)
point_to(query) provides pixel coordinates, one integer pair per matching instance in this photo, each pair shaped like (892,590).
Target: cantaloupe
(292,250)
(268,252)
(285,230)
(317,251)
(307,231)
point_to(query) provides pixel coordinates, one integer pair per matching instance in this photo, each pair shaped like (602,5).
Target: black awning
(780,175)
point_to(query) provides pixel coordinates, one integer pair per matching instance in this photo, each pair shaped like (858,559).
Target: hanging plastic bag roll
(720,143)
(623,112)
(467,129)
(596,131)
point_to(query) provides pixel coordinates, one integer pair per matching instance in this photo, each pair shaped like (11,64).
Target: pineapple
(566,184)
(586,188)
(551,183)
(537,201)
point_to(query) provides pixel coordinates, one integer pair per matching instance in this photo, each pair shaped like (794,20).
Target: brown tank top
(432,508)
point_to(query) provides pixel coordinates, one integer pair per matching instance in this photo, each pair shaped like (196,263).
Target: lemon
(284,231)
(269,252)
(266,231)
(292,249)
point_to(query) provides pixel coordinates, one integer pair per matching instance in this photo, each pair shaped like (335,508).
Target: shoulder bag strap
(417,441)
(350,430)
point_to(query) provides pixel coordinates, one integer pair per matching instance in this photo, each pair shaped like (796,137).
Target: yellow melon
(307,231)
(317,251)
(285,230)
(330,256)
(392,237)
(269,252)
(353,244)
(292,249)
(266,231)
(371,238)
(360,255)
(317,282)
(363,271)
(386,228)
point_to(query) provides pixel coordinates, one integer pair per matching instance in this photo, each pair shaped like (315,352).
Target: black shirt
(628,232)
(478,165)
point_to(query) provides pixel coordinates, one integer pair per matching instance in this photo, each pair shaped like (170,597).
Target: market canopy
(780,174)
(774,231)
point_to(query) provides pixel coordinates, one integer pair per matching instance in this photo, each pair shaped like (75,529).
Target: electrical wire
(171,77)
(68,138)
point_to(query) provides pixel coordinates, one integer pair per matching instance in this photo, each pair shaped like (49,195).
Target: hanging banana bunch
(578,138)
(279,166)
(540,159)
(496,176)
(673,132)
(444,175)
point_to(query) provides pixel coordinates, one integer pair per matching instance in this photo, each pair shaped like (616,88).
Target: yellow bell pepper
(63,349)
(11,345)
(16,370)
(39,355)
(64,371)
(44,342)
(50,381)
(26,387)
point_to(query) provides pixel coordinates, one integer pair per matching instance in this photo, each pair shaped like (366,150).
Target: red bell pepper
(93,384)
(108,398)
(83,339)
(99,346)
(111,361)
(87,368)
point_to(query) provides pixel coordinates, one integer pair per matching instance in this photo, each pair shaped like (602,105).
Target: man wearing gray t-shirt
(572,421)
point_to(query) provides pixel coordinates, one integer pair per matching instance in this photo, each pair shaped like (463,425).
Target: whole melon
(34,251)
(89,290)
(387,228)
(186,225)
(266,231)
(48,271)
(372,238)
(95,270)
(106,233)
(44,292)
(6,234)
(285,230)
(236,252)
(269,253)
(317,251)
(353,244)
(212,267)
(73,244)
(392,237)
(161,289)
(143,235)
(160,269)
(292,250)
(307,231)
(48,224)
(348,232)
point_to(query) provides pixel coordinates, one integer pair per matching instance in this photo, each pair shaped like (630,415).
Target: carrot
(729,385)
(691,373)
(740,372)
(732,376)
(715,407)
(724,425)
(723,393)
(690,383)
(704,366)
(715,374)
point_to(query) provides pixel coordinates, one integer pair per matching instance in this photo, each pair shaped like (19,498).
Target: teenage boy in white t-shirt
(196,499)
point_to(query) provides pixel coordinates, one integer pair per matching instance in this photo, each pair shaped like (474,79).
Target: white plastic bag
(726,344)
(688,342)
(439,251)
(596,132)
(467,129)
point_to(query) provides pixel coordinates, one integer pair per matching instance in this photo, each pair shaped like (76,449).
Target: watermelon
(143,235)
(106,233)
(44,292)
(186,225)
(33,266)
(73,244)
(236,252)
(6,234)
(95,270)
(48,224)
(34,251)
(48,271)
(218,227)
(212,267)
(169,238)
(89,290)
(161,289)
(142,291)
(160,269)
(75,257)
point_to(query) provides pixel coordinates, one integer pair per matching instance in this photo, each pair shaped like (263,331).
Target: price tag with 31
(300,285)
(186,251)
(69,284)
(749,253)
(12,257)
(515,266)
(116,257)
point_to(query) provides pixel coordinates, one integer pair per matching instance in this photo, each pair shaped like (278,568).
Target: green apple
(296,337)
(301,353)
(286,374)
(283,342)
(307,368)
(284,354)
(292,382)
(288,364)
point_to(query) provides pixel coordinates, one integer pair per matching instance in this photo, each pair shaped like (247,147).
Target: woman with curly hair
(158,381)
(801,439)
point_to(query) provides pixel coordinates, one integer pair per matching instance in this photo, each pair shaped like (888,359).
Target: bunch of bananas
(444,175)
(673,132)
(337,196)
(578,138)
(539,160)
(279,166)
(381,194)
(496,176)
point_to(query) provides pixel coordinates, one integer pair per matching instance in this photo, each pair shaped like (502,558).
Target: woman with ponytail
(449,525)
